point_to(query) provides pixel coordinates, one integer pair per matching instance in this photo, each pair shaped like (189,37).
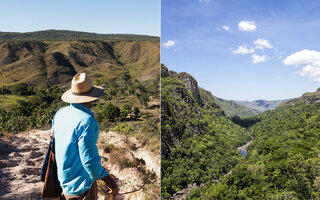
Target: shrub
(16,124)
(110,112)
(123,128)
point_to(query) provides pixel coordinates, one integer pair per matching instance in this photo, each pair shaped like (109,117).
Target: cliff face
(198,142)
(43,64)
(181,102)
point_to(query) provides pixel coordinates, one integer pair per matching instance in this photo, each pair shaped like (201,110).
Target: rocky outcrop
(181,102)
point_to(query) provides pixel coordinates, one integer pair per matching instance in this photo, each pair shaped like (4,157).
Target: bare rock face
(191,84)
(188,80)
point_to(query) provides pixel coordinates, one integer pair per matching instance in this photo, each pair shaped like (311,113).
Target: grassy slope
(232,108)
(8,101)
(43,64)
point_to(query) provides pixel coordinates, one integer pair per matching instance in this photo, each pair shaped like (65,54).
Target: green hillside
(232,108)
(283,160)
(67,35)
(198,142)
(42,64)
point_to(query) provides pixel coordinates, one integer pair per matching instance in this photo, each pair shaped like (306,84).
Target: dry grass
(7,101)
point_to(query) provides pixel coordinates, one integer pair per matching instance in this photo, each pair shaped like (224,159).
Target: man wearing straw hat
(76,132)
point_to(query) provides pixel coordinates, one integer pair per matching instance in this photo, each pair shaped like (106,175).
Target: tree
(110,111)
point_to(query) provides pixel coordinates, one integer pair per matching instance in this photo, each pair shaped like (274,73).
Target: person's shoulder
(61,110)
(88,119)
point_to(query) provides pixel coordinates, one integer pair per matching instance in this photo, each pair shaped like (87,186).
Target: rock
(31,171)
(9,163)
(14,154)
(35,154)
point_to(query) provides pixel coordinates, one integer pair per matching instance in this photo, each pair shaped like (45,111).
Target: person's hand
(113,191)
(113,188)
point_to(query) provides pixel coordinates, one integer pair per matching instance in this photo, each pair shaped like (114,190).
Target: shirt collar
(82,107)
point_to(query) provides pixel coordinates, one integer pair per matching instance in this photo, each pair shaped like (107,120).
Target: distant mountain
(306,98)
(67,35)
(232,108)
(261,105)
(43,64)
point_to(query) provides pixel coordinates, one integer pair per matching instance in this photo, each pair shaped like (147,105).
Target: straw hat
(82,90)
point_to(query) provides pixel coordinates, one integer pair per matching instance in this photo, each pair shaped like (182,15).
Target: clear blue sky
(244,50)
(99,16)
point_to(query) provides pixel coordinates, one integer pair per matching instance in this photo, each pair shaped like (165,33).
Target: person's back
(70,125)
(76,132)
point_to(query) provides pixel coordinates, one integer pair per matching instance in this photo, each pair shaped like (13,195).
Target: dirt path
(22,155)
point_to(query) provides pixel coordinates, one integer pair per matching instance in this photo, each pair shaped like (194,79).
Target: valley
(271,155)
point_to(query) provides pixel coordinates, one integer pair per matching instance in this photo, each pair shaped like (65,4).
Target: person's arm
(88,150)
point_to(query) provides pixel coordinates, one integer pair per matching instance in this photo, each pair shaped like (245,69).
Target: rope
(121,193)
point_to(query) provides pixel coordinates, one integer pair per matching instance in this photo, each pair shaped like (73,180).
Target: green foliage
(5,90)
(123,128)
(245,122)
(36,111)
(232,108)
(21,89)
(283,162)
(199,143)
(110,112)
(136,110)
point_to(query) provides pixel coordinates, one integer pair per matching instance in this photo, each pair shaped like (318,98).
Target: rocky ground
(21,158)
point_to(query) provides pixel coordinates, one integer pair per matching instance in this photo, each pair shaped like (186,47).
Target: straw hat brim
(95,93)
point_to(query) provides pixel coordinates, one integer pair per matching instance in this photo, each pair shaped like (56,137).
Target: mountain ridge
(44,64)
(66,35)
(261,105)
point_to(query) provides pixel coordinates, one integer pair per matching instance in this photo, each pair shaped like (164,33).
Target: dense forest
(199,143)
(282,160)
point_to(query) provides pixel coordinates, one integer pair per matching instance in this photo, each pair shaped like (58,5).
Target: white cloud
(243,50)
(225,27)
(310,58)
(247,26)
(262,43)
(258,59)
(169,44)
(204,0)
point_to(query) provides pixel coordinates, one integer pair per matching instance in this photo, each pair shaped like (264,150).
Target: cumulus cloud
(225,27)
(262,43)
(247,26)
(309,58)
(258,59)
(169,44)
(243,50)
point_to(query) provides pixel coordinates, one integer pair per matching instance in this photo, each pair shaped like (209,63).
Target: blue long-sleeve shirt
(76,132)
